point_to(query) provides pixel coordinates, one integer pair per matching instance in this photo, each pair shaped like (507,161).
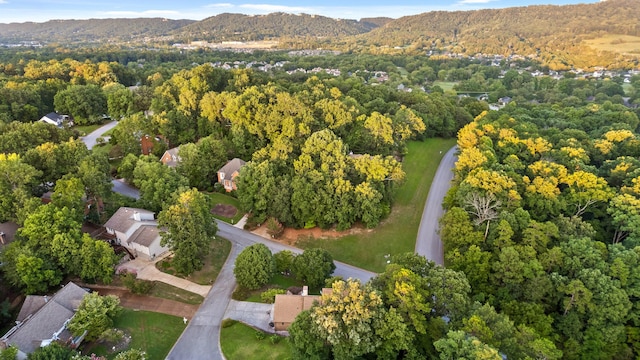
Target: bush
(284,261)
(274,339)
(260,335)
(269,296)
(134,285)
(274,228)
(112,335)
(228,323)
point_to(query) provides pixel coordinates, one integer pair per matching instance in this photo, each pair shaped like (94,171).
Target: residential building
(228,173)
(137,230)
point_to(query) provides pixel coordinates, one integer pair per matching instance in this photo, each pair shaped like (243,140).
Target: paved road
(201,339)
(428,241)
(121,187)
(90,139)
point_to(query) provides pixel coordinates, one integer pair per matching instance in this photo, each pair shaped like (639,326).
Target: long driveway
(428,242)
(90,139)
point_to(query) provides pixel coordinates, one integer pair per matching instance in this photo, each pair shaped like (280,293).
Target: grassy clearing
(397,233)
(240,342)
(621,44)
(219,251)
(217,198)
(86,129)
(169,292)
(151,332)
(445,85)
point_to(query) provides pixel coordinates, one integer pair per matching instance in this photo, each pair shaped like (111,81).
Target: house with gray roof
(228,173)
(171,157)
(55,119)
(43,320)
(137,230)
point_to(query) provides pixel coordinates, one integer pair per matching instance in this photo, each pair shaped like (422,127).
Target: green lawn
(218,198)
(239,342)
(151,332)
(86,129)
(220,249)
(278,281)
(397,233)
(166,291)
(445,85)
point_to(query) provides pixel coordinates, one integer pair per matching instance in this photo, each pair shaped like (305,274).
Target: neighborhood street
(428,242)
(121,187)
(201,338)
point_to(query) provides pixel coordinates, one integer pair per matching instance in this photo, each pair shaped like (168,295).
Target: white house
(137,230)
(55,119)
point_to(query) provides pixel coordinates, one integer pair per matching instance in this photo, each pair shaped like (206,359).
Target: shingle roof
(122,220)
(48,319)
(145,235)
(31,304)
(232,166)
(287,307)
(174,154)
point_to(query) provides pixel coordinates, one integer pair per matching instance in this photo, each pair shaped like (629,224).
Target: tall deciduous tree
(188,228)
(86,103)
(313,266)
(254,266)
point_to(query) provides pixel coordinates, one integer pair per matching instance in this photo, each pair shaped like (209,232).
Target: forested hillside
(554,34)
(226,27)
(92,30)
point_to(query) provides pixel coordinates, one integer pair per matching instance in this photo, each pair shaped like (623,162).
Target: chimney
(305,290)
(136,216)
(46,298)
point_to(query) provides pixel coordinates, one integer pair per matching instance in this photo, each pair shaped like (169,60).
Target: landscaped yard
(166,291)
(86,129)
(220,249)
(240,342)
(151,332)
(397,234)
(278,281)
(217,198)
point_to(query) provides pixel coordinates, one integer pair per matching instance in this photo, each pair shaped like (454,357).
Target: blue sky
(43,10)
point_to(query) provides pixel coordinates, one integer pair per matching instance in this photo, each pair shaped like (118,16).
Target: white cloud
(276,8)
(219,5)
(3,2)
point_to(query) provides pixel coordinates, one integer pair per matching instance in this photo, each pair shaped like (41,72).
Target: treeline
(544,219)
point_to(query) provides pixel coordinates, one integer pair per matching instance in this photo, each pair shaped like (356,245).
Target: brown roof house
(227,174)
(137,230)
(43,320)
(170,157)
(288,306)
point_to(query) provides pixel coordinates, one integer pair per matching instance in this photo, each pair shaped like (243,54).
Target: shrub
(228,323)
(274,228)
(274,339)
(134,285)
(260,335)
(269,296)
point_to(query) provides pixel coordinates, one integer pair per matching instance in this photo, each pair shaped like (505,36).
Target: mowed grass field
(239,342)
(397,233)
(621,44)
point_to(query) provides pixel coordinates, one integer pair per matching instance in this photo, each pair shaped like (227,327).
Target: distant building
(170,157)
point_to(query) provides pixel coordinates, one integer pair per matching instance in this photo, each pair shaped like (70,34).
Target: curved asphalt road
(428,241)
(201,339)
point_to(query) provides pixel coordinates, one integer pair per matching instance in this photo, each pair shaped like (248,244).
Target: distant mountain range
(586,34)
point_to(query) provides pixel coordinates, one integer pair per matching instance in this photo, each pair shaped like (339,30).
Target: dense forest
(541,230)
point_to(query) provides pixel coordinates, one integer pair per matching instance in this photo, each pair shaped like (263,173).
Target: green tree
(254,266)
(98,260)
(53,351)
(86,103)
(284,261)
(313,266)
(190,227)
(156,182)
(460,346)
(94,315)
(9,353)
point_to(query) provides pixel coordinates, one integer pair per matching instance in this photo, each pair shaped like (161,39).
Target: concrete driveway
(254,314)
